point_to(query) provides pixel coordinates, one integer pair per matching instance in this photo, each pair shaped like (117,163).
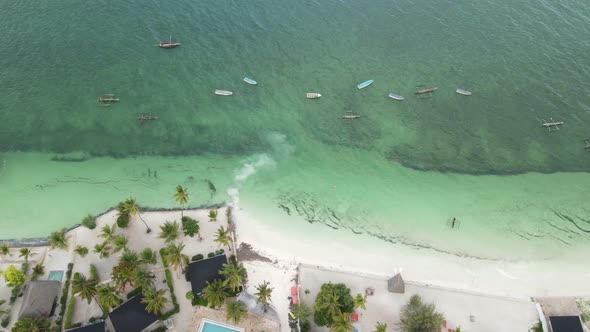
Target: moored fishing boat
(396,97)
(351,116)
(365,84)
(312,95)
(223,92)
(463,92)
(168,44)
(250,81)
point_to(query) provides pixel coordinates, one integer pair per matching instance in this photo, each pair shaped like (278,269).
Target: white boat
(250,81)
(396,97)
(463,92)
(223,92)
(364,84)
(313,95)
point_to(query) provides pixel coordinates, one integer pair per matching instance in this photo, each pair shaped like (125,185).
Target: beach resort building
(206,270)
(131,316)
(39,298)
(96,327)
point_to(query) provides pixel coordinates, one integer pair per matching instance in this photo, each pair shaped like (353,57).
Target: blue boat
(365,84)
(396,97)
(250,81)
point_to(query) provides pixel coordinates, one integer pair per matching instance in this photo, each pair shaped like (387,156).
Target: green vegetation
(360,302)
(181,196)
(108,233)
(143,278)
(380,327)
(131,208)
(215,293)
(176,306)
(108,297)
(213,215)
(38,271)
(154,300)
(94,273)
(26,253)
(86,287)
(190,226)
(301,311)
(123,220)
(80,250)
(148,256)
(417,316)
(4,250)
(5,321)
(332,301)
(59,239)
(102,249)
(174,257)
(169,231)
(69,312)
(263,294)
(89,222)
(234,275)
(223,237)
(341,323)
(14,277)
(197,257)
(65,289)
(31,325)
(123,273)
(235,311)
(120,242)
(538,327)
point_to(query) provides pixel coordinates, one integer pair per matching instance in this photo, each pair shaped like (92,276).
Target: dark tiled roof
(131,316)
(205,270)
(566,324)
(96,327)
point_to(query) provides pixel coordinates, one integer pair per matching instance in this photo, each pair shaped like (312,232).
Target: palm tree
(222,237)
(108,233)
(120,242)
(143,279)
(169,231)
(235,310)
(215,293)
(102,249)
(263,293)
(80,250)
(59,239)
(130,258)
(234,274)
(4,250)
(360,302)
(301,311)
(181,197)
(417,316)
(175,257)
(31,325)
(380,327)
(26,253)
(148,256)
(108,297)
(212,215)
(154,300)
(341,323)
(85,287)
(38,270)
(132,209)
(330,304)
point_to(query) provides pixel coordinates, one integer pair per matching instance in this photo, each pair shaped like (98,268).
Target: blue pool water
(56,275)
(212,327)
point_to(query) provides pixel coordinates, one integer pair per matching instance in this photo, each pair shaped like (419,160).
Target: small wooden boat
(463,92)
(223,92)
(351,116)
(396,97)
(312,95)
(250,81)
(364,84)
(147,117)
(168,44)
(108,99)
(105,105)
(421,91)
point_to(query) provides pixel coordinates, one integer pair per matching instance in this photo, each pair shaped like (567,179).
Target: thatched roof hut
(396,284)
(38,299)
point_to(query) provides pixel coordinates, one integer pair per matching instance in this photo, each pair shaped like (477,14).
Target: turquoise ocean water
(400,173)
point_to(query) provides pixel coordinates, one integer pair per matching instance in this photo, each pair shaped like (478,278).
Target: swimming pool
(208,325)
(56,275)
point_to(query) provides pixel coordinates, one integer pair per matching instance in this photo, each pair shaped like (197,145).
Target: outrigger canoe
(396,97)
(463,92)
(223,92)
(250,81)
(365,84)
